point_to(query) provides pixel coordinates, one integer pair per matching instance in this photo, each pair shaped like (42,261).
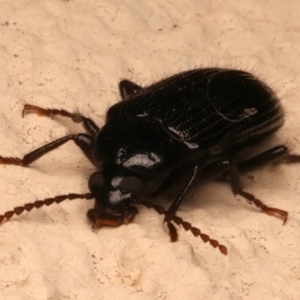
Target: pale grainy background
(71,54)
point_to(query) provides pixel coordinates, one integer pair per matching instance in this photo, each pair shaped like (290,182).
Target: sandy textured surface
(71,54)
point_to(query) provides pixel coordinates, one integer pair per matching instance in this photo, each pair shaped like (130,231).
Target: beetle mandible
(207,121)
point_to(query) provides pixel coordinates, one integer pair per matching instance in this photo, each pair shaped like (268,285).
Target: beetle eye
(132,184)
(95,182)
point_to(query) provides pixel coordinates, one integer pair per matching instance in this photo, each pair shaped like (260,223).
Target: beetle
(205,122)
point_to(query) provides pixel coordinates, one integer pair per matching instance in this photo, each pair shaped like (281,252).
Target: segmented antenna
(159,209)
(39,203)
(186,226)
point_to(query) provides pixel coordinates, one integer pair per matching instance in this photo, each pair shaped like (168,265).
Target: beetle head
(137,156)
(113,188)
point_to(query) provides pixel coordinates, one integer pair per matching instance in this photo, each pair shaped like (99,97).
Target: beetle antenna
(39,203)
(186,226)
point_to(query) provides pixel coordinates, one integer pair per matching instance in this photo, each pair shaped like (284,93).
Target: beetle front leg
(207,174)
(170,213)
(83,141)
(237,190)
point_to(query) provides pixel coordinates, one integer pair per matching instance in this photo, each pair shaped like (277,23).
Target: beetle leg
(278,154)
(127,88)
(88,124)
(170,213)
(207,174)
(270,155)
(290,159)
(83,141)
(237,190)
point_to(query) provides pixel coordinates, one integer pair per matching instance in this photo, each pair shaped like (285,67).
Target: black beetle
(208,122)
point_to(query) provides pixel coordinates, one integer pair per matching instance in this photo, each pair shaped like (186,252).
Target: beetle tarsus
(40,111)
(251,199)
(271,211)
